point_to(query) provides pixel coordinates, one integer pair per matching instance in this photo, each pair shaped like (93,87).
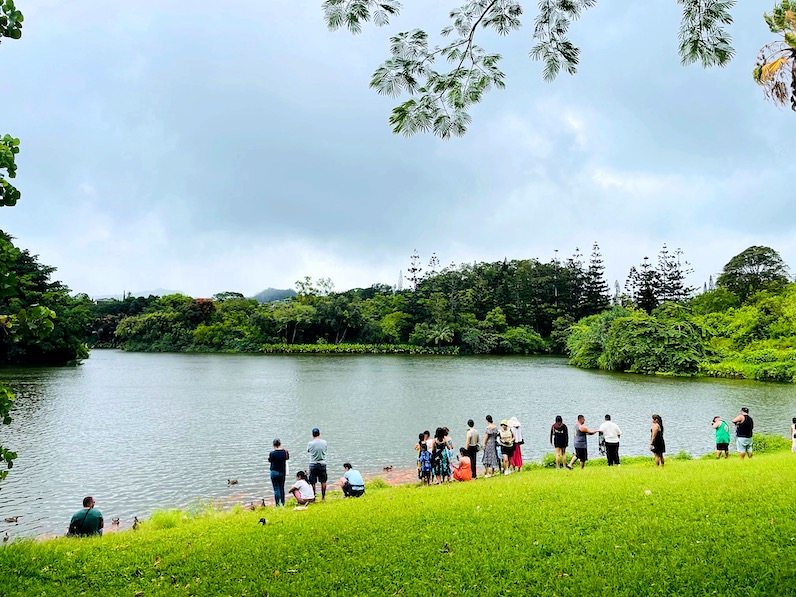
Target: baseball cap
(315,430)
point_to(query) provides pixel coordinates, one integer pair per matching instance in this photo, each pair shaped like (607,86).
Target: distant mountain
(269,295)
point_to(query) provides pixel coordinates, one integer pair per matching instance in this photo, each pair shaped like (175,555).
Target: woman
(278,459)
(559,439)
(439,457)
(419,446)
(464,471)
(516,457)
(448,449)
(506,442)
(793,434)
(657,445)
(302,491)
(490,457)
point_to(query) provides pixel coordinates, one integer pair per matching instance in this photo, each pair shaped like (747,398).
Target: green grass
(696,527)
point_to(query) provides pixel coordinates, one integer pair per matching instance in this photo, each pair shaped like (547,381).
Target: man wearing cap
(722,437)
(611,434)
(744,427)
(351,482)
(87,521)
(317,451)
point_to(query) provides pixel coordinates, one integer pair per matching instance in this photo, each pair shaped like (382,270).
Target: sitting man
(302,491)
(87,521)
(351,482)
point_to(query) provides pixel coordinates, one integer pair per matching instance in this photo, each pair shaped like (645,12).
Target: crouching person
(302,491)
(351,482)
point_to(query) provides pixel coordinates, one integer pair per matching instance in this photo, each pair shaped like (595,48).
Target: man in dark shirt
(744,429)
(87,521)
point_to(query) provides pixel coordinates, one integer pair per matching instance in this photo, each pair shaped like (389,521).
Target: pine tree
(672,271)
(643,286)
(595,291)
(414,271)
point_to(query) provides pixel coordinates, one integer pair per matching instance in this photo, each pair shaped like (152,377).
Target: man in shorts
(722,437)
(744,429)
(317,470)
(580,444)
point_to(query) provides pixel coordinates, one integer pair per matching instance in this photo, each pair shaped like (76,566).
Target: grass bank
(697,527)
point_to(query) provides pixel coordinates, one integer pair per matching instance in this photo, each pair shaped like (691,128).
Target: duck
(232,481)
(115,521)
(135,523)
(5,538)
(14,519)
(262,521)
(388,468)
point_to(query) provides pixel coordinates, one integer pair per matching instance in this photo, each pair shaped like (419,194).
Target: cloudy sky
(204,146)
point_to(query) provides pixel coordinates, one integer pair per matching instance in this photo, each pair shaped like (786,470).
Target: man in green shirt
(87,521)
(722,437)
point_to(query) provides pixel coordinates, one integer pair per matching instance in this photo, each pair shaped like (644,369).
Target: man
(744,427)
(351,482)
(472,442)
(87,521)
(317,451)
(580,444)
(722,437)
(611,433)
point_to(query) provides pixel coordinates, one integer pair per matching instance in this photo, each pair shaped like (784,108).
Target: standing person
(611,433)
(421,441)
(516,458)
(581,444)
(316,448)
(302,491)
(722,437)
(472,443)
(490,458)
(440,466)
(463,472)
(448,451)
(424,464)
(278,459)
(793,434)
(87,521)
(506,441)
(744,429)
(559,439)
(657,444)
(351,482)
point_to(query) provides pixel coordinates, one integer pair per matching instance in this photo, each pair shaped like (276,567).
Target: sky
(204,147)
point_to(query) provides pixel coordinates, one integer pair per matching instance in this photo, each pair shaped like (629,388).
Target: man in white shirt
(611,432)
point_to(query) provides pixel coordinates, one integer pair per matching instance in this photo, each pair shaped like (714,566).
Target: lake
(141,432)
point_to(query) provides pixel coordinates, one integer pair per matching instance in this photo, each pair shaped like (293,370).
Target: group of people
(304,489)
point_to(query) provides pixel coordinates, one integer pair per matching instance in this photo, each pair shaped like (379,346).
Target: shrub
(770,443)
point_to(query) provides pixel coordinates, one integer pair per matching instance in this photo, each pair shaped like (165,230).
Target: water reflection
(146,431)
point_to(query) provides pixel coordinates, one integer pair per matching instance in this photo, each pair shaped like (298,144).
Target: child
(424,464)
(302,491)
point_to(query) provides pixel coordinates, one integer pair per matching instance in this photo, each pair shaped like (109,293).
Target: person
(463,472)
(278,459)
(448,451)
(610,433)
(302,491)
(424,464)
(421,441)
(490,458)
(506,442)
(516,457)
(351,482)
(793,434)
(722,437)
(87,521)
(559,439)
(440,467)
(657,443)
(472,443)
(744,429)
(317,450)
(581,444)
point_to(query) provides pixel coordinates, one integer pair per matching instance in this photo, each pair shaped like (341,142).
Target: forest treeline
(742,325)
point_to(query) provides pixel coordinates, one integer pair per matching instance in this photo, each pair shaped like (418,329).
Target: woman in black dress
(657,445)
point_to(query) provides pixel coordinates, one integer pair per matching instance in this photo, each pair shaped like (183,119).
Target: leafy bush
(770,443)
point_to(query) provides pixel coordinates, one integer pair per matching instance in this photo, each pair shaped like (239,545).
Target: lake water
(146,431)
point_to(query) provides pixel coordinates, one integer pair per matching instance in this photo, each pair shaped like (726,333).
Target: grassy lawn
(697,527)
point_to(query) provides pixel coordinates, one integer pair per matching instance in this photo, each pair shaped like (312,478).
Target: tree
(595,291)
(643,286)
(775,69)
(672,271)
(440,97)
(752,270)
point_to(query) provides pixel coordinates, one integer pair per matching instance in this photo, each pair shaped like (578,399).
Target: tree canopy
(752,270)
(441,77)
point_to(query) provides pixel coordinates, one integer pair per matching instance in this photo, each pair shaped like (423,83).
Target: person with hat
(506,443)
(516,456)
(86,522)
(351,482)
(722,437)
(744,429)
(317,470)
